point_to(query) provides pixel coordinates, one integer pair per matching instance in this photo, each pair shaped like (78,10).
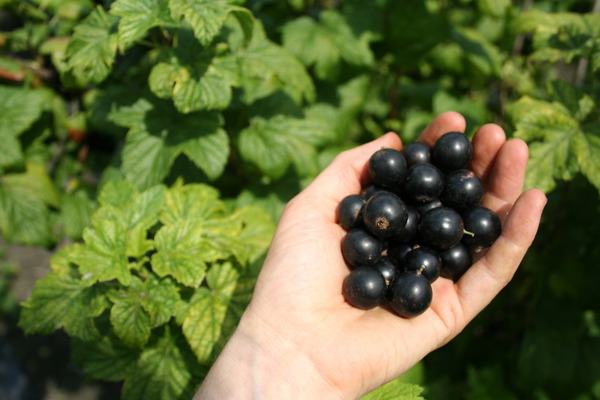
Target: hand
(300,339)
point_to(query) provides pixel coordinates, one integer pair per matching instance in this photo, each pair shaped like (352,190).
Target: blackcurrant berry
(360,248)
(455,261)
(423,208)
(425,260)
(398,252)
(483,226)
(387,168)
(451,151)
(423,183)
(388,269)
(409,231)
(349,211)
(417,153)
(364,288)
(441,228)
(410,294)
(371,191)
(385,214)
(462,189)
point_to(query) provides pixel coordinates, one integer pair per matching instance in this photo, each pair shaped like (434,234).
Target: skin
(300,339)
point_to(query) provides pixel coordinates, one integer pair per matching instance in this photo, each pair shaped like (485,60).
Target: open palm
(298,305)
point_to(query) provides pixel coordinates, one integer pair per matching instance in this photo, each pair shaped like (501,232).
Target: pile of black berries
(420,218)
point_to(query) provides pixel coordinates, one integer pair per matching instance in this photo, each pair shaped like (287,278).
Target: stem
(466,232)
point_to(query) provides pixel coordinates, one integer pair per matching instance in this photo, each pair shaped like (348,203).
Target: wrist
(256,363)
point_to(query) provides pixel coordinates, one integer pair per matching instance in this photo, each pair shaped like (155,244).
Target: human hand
(299,338)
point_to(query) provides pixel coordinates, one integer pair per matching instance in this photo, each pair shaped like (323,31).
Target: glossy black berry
(455,261)
(385,214)
(417,153)
(349,211)
(462,189)
(409,232)
(451,151)
(387,168)
(410,294)
(423,208)
(360,248)
(423,183)
(371,191)
(364,288)
(388,268)
(441,228)
(483,226)
(398,252)
(425,260)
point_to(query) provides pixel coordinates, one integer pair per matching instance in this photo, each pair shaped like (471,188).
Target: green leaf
(395,390)
(61,301)
(75,213)
(121,201)
(162,373)
(105,358)
(161,299)
(198,231)
(263,67)
(325,44)
(139,16)
(222,279)
(206,17)
(129,320)
(587,148)
(554,157)
(183,250)
(181,254)
(24,201)
(561,36)
(276,143)
(135,211)
(190,77)
(478,50)
(203,322)
(118,231)
(496,8)
(191,202)
(422,29)
(20,109)
(158,134)
(93,46)
(257,233)
(103,256)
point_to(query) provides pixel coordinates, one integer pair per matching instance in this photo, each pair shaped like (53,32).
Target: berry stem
(466,232)
(421,269)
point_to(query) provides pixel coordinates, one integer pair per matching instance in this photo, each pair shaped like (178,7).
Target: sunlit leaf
(92,49)
(61,301)
(139,16)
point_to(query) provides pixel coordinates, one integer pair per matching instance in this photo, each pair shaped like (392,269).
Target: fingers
(482,282)
(348,171)
(449,121)
(487,142)
(507,176)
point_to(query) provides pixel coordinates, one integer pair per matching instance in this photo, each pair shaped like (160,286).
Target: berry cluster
(420,218)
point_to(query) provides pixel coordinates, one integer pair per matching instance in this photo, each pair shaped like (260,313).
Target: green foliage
(151,284)
(164,137)
(396,390)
